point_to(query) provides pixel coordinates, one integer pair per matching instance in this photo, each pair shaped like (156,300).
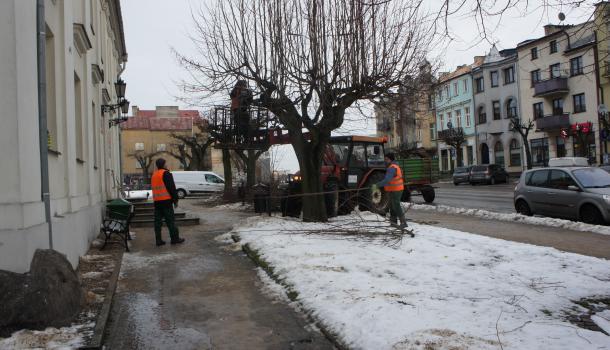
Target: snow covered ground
(443,289)
(50,338)
(512,217)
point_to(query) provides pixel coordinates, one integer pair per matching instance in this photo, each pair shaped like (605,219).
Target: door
(197,182)
(562,201)
(484,154)
(214,183)
(536,192)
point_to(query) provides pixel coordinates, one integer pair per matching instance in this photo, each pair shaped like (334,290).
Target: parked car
(489,174)
(605,167)
(579,193)
(461,175)
(189,182)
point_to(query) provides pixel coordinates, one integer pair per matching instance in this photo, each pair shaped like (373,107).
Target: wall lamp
(121,106)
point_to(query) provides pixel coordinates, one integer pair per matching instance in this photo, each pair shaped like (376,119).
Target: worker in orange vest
(165,198)
(393,184)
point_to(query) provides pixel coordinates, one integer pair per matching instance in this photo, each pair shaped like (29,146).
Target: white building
(85,53)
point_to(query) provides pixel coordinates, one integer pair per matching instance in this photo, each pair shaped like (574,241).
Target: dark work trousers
(165,210)
(396,211)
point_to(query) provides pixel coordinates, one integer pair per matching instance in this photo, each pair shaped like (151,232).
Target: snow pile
(233,206)
(271,288)
(513,217)
(602,320)
(51,338)
(441,289)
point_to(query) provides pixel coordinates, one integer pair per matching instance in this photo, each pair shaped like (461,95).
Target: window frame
(510,69)
(541,110)
(546,182)
(582,106)
(552,68)
(509,109)
(534,53)
(555,108)
(498,115)
(553,46)
(579,68)
(480,84)
(495,74)
(536,73)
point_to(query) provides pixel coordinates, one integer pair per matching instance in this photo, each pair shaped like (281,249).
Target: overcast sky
(154,27)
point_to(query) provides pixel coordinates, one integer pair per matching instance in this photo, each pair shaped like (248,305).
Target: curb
(292,295)
(102,318)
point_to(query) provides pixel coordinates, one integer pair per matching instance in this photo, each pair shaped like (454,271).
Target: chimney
(552,28)
(479,60)
(134,111)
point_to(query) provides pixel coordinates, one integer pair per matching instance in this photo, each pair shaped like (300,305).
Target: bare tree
(192,150)
(310,60)
(145,160)
(455,138)
(523,128)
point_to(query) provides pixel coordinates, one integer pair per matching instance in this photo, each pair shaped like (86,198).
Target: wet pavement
(200,295)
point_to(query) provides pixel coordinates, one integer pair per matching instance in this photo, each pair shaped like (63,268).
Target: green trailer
(419,175)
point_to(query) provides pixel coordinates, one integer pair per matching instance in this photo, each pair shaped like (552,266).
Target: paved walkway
(200,295)
(585,243)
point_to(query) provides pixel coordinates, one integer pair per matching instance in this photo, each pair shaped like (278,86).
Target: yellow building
(146,136)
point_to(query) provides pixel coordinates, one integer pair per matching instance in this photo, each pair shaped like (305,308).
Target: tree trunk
(528,155)
(459,155)
(145,178)
(226,164)
(250,170)
(310,164)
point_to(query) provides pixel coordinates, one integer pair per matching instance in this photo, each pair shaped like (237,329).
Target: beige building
(85,55)
(558,91)
(602,26)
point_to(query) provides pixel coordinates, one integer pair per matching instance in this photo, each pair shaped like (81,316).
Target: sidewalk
(200,295)
(585,243)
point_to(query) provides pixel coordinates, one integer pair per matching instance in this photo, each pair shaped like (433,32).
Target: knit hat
(390,156)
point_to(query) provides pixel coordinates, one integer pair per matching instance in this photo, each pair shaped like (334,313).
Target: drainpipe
(42,116)
(120,189)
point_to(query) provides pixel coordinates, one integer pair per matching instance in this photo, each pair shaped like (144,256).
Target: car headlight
(606,198)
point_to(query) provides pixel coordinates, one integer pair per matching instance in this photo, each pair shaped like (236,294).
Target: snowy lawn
(443,289)
(512,217)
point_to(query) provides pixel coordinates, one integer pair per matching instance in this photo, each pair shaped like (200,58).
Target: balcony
(551,87)
(450,133)
(553,122)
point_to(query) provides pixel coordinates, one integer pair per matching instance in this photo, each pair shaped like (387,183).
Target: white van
(189,182)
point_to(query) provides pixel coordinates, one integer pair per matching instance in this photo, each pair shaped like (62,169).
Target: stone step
(151,215)
(135,222)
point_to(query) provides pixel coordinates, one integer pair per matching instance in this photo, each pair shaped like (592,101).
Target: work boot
(403,223)
(178,241)
(160,243)
(393,222)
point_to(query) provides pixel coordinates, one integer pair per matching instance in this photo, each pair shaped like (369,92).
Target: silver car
(578,193)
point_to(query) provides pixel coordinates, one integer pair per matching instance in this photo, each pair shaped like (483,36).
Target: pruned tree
(455,138)
(310,60)
(192,150)
(145,160)
(523,128)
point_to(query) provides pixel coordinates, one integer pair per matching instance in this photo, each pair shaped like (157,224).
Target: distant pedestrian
(165,198)
(393,184)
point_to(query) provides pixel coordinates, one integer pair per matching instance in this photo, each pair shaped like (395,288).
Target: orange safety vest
(159,190)
(397,183)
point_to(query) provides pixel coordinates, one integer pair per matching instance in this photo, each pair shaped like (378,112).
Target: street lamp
(120,87)
(121,106)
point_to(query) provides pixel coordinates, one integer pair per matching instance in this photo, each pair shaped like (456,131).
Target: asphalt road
(498,198)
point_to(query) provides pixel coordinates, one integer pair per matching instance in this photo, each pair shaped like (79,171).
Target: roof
(186,113)
(157,124)
(465,69)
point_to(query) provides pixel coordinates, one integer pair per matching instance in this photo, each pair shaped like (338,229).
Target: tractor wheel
(428,193)
(347,203)
(291,206)
(406,195)
(374,201)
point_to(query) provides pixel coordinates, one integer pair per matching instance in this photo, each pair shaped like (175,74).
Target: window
(458,117)
(358,158)
(79,128)
(515,153)
(579,103)
(558,106)
(540,151)
(430,102)
(561,146)
(465,81)
(432,131)
(447,91)
(499,153)
(511,108)
(449,119)
(467,115)
(139,146)
(538,178)
(138,165)
(439,95)
(95,133)
(560,180)
(496,110)
(52,133)
(442,123)
(213,179)
(160,147)
(479,84)
(584,146)
(509,75)
(482,115)
(534,53)
(535,76)
(455,89)
(576,66)
(553,46)
(555,70)
(538,110)
(493,76)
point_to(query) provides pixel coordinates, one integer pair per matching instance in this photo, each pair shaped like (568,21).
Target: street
(498,198)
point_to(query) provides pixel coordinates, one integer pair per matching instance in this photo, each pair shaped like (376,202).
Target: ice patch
(50,338)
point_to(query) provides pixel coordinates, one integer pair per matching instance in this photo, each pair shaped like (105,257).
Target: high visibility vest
(159,190)
(397,183)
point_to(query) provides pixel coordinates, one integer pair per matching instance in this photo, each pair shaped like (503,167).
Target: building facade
(496,92)
(602,26)
(558,91)
(85,54)
(454,103)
